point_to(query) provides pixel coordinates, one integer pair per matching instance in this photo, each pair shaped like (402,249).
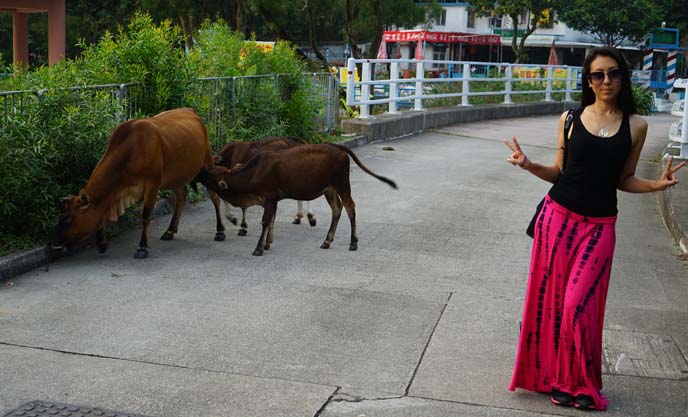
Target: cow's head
(214,178)
(224,157)
(77,223)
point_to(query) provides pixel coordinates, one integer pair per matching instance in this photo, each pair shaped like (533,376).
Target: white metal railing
(390,88)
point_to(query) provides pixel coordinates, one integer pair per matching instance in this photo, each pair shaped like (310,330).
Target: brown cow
(239,152)
(143,156)
(301,173)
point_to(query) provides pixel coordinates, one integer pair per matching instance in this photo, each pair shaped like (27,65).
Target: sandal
(562,398)
(584,402)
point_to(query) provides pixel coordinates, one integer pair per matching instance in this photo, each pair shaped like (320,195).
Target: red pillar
(56,31)
(20,38)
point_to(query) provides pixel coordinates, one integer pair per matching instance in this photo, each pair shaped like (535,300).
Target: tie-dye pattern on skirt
(560,345)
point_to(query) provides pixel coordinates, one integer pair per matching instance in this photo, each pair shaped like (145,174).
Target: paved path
(421,321)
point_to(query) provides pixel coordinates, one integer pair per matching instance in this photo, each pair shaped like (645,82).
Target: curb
(669,215)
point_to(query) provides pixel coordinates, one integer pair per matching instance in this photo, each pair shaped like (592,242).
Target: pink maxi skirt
(560,345)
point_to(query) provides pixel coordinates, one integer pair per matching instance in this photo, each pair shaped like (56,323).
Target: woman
(560,346)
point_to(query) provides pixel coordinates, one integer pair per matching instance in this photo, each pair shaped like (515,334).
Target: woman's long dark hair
(625,99)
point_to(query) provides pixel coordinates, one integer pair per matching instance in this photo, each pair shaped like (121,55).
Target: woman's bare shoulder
(638,126)
(638,122)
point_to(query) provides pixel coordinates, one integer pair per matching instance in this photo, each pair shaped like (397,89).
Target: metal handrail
(358,92)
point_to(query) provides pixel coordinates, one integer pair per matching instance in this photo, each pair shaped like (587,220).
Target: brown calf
(301,173)
(143,156)
(239,152)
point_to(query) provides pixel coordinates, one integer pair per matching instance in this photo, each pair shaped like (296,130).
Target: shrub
(643,99)
(46,154)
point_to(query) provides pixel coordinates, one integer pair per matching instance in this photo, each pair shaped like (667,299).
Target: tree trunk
(514,40)
(240,17)
(351,10)
(187,28)
(379,12)
(312,33)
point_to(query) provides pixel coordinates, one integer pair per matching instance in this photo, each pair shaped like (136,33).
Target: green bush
(47,154)
(248,109)
(643,99)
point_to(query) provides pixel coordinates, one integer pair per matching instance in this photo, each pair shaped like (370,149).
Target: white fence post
(393,87)
(420,74)
(466,88)
(684,131)
(365,91)
(550,76)
(570,78)
(350,88)
(507,86)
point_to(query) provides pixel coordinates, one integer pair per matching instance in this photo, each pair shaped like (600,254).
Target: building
(459,34)
(20,10)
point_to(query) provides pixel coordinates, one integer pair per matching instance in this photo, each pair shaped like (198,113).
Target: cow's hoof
(102,248)
(242,232)
(353,246)
(167,236)
(219,236)
(311,221)
(232,220)
(325,245)
(257,252)
(266,246)
(296,221)
(141,253)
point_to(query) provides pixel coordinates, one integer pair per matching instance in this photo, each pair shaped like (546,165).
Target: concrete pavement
(421,321)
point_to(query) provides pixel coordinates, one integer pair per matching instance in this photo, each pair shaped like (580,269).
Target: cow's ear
(217,159)
(84,200)
(222,184)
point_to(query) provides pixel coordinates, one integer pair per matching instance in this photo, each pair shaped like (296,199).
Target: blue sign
(664,38)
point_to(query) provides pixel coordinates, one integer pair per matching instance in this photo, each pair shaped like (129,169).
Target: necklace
(603,131)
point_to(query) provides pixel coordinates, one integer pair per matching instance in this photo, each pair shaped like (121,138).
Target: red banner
(435,37)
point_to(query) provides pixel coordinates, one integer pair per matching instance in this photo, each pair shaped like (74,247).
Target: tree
(612,22)
(676,16)
(367,19)
(538,13)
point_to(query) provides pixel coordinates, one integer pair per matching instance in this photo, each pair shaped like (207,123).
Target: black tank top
(587,185)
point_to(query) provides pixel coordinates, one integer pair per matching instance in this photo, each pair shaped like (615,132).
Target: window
(441,20)
(470,21)
(439,52)
(495,22)
(524,18)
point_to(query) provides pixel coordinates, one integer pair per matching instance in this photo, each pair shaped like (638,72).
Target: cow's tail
(363,167)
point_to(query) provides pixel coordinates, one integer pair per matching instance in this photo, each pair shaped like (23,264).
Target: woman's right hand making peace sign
(518,157)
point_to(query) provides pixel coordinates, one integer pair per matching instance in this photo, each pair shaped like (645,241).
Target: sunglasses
(614,75)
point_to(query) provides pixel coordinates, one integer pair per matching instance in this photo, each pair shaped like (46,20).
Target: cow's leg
(179,200)
(350,207)
(219,227)
(269,210)
(243,231)
(310,214)
(229,215)
(102,240)
(149,197)
(336,206)
(271,229)
(299,212)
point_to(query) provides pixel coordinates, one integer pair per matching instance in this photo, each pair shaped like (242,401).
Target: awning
(435,37)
